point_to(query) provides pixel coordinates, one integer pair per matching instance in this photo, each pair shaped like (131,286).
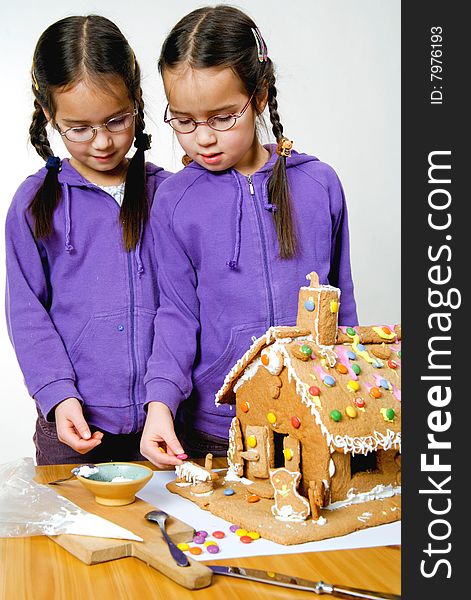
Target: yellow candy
(271,418)
(353,386)
(254,535)
(334,306)
(183,547)
(241,532)
(252,441)
(288,453)
(351,412)
(210,543)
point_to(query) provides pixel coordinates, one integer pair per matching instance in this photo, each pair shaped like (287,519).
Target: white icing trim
(378,492)
(192,473)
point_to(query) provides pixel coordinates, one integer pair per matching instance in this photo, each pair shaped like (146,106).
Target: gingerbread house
(318,422)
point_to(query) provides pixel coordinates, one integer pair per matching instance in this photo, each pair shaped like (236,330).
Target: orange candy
(253,498)
(386,330)
(195,550)
(265,360)
(244,407)
(341,368)
(375,392)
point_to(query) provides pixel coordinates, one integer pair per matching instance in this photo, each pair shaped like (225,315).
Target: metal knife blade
(298,583)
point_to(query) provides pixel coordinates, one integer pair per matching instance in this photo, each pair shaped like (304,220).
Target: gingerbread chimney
(318,309)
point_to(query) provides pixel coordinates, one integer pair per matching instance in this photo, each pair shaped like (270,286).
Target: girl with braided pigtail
(236,231)
(82,286)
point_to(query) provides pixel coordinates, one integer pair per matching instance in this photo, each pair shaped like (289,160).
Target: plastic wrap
(28,508)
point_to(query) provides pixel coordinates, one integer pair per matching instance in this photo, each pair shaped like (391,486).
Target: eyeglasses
(216,122)
(86,133)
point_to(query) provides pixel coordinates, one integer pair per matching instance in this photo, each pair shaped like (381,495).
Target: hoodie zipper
(268,288)
(133,345)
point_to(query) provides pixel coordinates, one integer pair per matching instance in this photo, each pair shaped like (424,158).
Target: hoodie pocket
(102,362)
(212,378)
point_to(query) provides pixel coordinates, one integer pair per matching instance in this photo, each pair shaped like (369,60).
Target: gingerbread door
(256,449)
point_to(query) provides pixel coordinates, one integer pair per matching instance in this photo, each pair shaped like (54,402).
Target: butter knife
(297,583)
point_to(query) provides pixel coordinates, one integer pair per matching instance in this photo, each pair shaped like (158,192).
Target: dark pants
(199,443)
(113,447)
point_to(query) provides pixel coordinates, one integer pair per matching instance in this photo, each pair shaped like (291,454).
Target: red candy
(295,422)
(245,539)
(219,535)
(359,402)
(392,364)
(314,390)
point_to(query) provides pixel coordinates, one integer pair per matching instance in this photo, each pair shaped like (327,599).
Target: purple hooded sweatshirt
(221,279)
(80,309)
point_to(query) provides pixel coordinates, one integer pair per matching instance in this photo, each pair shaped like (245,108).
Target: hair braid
(47,197)
(278,186)
(135,207)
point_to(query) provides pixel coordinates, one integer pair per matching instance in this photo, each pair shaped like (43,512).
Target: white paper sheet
(156,494)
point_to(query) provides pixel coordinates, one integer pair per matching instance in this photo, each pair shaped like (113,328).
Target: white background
(338,65)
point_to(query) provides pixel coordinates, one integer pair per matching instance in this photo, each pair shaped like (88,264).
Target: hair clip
(284,147)
(262,50)
(186,160)
(35,81)
(53,162)
(143,141)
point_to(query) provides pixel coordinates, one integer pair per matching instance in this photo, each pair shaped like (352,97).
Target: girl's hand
(159,444)
(72,429)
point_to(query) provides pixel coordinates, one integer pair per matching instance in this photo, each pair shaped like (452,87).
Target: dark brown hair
(222,36)
(69,51)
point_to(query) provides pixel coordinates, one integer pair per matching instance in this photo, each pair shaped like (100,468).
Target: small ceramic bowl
(121,491)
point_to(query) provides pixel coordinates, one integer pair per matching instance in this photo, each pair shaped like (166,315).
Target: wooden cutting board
(153,550)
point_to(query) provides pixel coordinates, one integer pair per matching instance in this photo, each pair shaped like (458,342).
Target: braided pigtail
(47,197)
(135,207)
(278,187)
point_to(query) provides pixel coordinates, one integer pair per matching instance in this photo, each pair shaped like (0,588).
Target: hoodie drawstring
(267,205)
(137,257)
(68,220)
(232,264)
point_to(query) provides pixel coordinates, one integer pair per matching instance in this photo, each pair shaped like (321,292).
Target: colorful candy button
(219,534)
(314,390)
(213,549)
(229,492)
(183,546)
(254,535)
(356,369)
(240,532)
(202,533)
(390,414)
(359,402)
(245,407)
(375,392)
(351,355)
(288,453)
(253,498)
(309,305)
(392,364)
(351,412)
(334,306)
(336,415)
(353,386)
(296,422)
(386,330)
(361,347)
(271,418)
(377,363)
(351,332)
(246,539)
(307,350)
(234,528)
(265,359)
(199,539)
(195,550)
(384,383)
(342,369)
(251,441)
(210,543)
(329,381)
(399,353)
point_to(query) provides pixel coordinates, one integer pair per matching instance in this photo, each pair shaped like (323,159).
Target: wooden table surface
(36,568)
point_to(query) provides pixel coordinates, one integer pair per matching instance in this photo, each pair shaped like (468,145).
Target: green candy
(399,354)
(336,415)
(390,413)
(350,331)
(305,349)
(356,369)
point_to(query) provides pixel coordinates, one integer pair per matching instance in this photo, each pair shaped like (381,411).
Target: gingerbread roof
(352,387)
